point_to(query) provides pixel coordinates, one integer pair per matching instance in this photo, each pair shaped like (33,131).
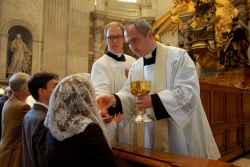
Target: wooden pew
(135,156)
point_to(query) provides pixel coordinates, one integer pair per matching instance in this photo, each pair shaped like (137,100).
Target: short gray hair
(141,25)
(18,80)
(7,90)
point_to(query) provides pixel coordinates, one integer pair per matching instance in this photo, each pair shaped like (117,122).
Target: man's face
(115,39)
(50,87)
(138,43)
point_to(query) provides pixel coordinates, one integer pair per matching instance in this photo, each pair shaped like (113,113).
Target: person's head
(18,36)
(235,14)
(113,34)
(72,107)
(41,85)
(19,84)
(181,44)
(7,91)
(139,36)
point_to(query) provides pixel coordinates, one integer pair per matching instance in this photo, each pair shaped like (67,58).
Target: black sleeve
(118,108)
(159,109)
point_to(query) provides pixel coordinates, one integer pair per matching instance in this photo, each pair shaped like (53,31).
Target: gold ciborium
(140,88)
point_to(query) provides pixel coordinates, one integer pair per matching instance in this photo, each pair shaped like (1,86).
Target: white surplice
(108,77)
(188,129)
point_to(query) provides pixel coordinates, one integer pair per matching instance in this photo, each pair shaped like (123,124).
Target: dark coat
(34,137)
(3,99)
(11,153)
(88,148)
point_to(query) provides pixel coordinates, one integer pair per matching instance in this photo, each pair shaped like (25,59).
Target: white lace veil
(72,107)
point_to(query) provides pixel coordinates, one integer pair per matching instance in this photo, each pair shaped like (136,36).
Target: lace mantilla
(72,107)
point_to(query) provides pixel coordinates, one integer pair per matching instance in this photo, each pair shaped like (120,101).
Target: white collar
(150,53)
(119,55)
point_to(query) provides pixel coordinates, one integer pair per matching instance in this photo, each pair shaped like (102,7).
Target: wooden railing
(135,156)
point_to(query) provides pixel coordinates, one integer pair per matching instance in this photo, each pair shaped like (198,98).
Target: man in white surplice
(109,74)
(180,125)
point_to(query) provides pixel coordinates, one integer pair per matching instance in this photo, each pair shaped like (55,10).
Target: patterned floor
(243,162)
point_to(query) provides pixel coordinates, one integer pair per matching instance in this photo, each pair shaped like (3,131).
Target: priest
(180,125)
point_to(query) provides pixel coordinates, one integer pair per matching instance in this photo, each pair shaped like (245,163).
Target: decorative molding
(98,15)
(8,25)
(98,29)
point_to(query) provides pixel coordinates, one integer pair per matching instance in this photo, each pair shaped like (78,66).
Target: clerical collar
(116,57)
(150,58)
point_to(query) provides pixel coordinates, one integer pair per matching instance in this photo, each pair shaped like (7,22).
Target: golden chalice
(140,88)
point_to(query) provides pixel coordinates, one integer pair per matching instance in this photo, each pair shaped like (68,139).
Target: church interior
(66,37)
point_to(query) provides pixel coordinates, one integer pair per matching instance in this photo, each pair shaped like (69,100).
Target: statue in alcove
(21,56)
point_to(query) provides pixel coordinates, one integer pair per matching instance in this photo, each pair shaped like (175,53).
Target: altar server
(109,74)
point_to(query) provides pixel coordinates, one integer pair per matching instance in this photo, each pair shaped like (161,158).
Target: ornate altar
(207,30)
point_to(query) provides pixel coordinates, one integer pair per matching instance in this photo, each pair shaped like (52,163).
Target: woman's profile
(76,132)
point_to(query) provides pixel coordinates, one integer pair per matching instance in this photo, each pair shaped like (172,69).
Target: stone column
(36,56)
(3,53)
(78,34)
(161,7)
(55,34)
(98,27)
(100,5)
(98,34)
(66,36)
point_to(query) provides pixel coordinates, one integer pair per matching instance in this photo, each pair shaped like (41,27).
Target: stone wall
(60,32)
(27,15)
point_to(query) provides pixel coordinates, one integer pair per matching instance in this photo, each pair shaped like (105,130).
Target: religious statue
(234,53)
(21,57)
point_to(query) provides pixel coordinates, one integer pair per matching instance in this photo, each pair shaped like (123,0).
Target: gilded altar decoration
(214,33)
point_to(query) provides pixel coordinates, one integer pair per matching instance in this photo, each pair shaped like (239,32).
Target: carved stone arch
(32,41)
(21,23)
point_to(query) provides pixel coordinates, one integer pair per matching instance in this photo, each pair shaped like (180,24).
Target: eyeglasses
(111,38)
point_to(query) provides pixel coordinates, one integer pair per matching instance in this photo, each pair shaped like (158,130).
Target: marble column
(66,36)
(98,38)
(3,53)
(98,27)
